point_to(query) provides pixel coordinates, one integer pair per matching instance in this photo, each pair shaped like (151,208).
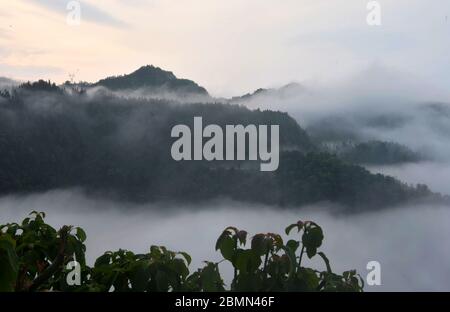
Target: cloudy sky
(230,47)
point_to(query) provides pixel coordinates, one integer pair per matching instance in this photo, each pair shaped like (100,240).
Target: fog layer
(408,241)
(434,174)
(377,104)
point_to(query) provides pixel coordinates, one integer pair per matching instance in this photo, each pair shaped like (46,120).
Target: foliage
(321,176)
(376,153)
(40,85)
(271,265)
(34,257)
(33,254)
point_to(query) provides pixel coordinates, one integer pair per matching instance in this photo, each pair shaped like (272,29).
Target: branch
(57,262)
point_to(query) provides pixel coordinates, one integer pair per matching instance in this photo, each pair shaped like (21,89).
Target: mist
(7,84)
(378,103)
(407,241)
(434,174)
(148,93)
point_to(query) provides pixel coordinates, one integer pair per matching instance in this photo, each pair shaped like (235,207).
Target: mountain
(120,147)
(154,79)
(6,83)
(290,90)
(373,152)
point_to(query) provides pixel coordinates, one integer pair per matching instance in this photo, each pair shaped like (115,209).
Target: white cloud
(233,47)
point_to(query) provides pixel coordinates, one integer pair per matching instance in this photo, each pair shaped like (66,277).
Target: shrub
(36,257)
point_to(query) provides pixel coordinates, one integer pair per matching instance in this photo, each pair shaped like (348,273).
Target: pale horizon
(231,47)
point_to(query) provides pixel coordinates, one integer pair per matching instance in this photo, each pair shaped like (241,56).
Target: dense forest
(63,137)
(373,152)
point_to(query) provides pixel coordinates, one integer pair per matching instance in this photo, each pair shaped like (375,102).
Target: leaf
(242,236)
(232,228)
(312,239)
(277,239)
(292,260)
(227,248)
(226,245)
(186,256)
(155,252)
(162,282)
(311,252)
(210,278)
(179,266)
(9,263)
(103,260)
(248,282)
(81,234)
(293,245)
(140,277)
(308,279)
(247,261)
(327,262)
(290,227)
(220,239)
(259,244)
(299,225)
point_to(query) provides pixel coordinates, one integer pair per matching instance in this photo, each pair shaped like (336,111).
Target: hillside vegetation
(36,257)
(112,146)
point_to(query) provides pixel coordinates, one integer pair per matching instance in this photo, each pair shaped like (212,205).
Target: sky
(230,47)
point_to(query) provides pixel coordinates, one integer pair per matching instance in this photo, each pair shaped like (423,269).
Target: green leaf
(259,244)
(292,260)
(299,225)
(312,239)
(210,278)
(311,252)
(140,277)
(248,282)
(162,282)
(307,279)
(179,266)
(155,252)
(277,240)
(103,260)
(247,261)
(290,227)
(327,262)
(81,234)
(242,236)
(186,256)
(9,263)
(293,245)
(226,245)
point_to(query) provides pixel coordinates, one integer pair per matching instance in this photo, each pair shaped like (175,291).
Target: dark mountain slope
(154,78)
(121,147)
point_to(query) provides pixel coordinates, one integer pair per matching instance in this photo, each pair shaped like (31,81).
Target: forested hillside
(154,78)
(56,138)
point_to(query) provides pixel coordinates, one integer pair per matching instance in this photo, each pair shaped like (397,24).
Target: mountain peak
(153,78)
(292,89)
(153,73)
